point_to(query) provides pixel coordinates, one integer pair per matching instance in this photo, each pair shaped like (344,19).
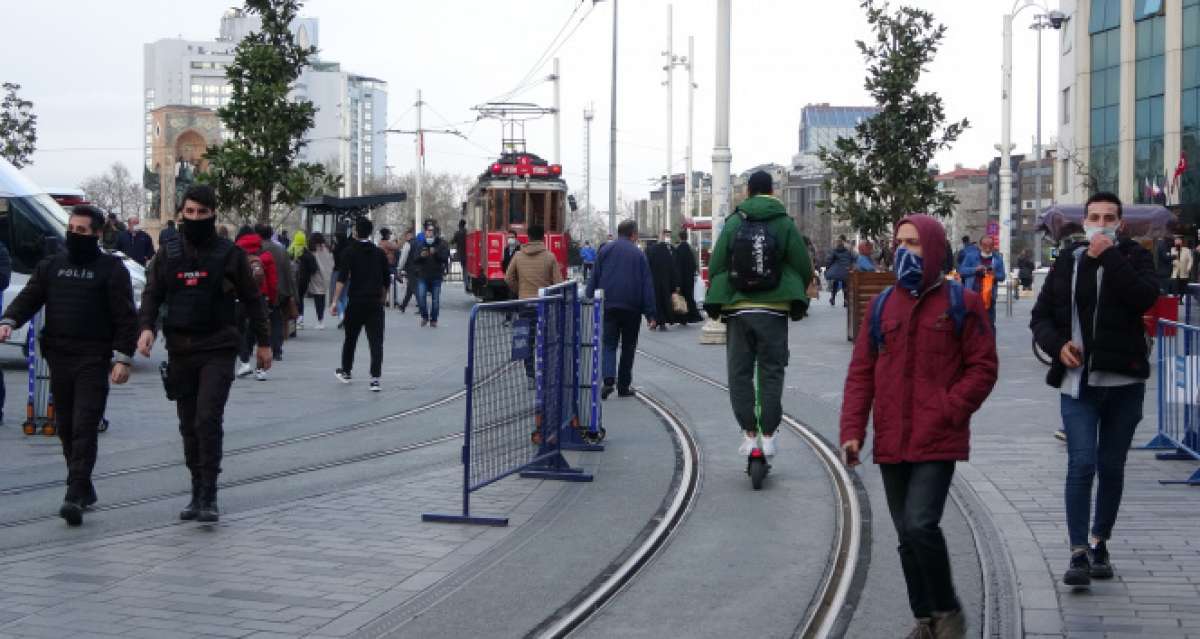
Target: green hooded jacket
(794,258)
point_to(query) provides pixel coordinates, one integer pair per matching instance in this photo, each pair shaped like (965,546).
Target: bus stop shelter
(329,215)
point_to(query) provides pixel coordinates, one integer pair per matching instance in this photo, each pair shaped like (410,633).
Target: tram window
(554,212)
(537,208)
(517,207)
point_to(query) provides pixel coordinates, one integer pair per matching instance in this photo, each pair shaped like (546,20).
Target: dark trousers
(319,304)
(916,497)
(620,325)
(277,326)
(360,315)
(756,345)
(1100,426)
(834,287)
(204,379)
(80,388)
(409,289)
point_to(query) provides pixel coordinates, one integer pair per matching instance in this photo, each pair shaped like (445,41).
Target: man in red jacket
(930,364)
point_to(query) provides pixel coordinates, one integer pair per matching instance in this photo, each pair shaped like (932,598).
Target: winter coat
(252,245)
(287,279)
(972,259)
(837,266)
(1128,288)
(588,255)
(922,384)
(864,264)
(623,273)
(685,264)
(319,279)
(531,269)
(666,278)
(796,267)
(431,266)
(1182,267)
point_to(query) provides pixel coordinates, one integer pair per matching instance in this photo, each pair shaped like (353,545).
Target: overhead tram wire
(541,60)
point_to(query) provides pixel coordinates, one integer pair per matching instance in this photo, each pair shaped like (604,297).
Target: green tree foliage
(257,167)
(883,173)
(18,127)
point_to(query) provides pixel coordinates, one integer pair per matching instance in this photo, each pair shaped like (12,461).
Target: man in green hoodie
(759,272)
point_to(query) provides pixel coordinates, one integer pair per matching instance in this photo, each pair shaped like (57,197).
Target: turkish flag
(1182,167)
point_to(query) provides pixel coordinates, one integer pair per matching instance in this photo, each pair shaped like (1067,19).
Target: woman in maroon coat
(922,382)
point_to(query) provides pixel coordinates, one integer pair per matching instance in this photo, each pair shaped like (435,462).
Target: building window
(1146,8)
(1149,181)
(1065,182)
(1066,106)
(1104,138)
(197,100)
(1189,182)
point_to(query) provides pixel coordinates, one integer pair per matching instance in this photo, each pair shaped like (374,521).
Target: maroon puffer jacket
(927,379)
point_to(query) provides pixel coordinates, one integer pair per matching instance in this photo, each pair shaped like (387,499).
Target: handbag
(678,304)
(814,287)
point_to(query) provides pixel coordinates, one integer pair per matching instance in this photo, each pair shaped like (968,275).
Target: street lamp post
(713,331)
(1042,21)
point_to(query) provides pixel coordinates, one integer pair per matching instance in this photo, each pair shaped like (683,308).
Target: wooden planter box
(863,286)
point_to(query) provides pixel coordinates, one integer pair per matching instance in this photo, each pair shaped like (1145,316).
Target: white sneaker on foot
(375,388)
(320,326)
(768,445)
(748,445)
(245,369)
(342,376)
(260,375)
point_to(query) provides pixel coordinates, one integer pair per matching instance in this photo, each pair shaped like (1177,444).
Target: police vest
(196,299)
(77,298)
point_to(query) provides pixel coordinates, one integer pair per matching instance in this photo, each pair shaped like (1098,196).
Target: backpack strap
(877,318)
(958,308)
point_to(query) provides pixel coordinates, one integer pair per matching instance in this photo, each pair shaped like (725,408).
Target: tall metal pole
(687,179)
(714,332)
(612,135)
(588,114)
(669,217)
(557,116)
(420,166)
(1037,180)
(1005,195)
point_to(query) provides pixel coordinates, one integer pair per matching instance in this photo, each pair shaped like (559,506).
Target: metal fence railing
(1178,376)
(522,390)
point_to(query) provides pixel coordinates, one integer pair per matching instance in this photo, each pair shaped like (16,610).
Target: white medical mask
(1093,231)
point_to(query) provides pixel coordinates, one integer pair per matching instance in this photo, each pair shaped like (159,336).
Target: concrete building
(970,216)
(351,109)
(656,212)
(1129,101)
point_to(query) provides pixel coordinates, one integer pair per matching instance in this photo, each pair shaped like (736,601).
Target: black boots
(208,503)
(71,510)
(192,510)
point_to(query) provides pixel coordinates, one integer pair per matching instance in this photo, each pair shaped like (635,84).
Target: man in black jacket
(200,278)
(685,265)
(432,256)
(666,277)
(88,341)
(365,274)
(1089,315)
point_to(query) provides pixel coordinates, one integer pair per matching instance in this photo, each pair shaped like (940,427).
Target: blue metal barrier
(1178,395)
(581,417)
(591,429)
(517,357)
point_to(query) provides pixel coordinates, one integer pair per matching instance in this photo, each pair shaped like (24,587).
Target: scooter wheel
(103,427)
(757,468)
(28,428)
(48,430)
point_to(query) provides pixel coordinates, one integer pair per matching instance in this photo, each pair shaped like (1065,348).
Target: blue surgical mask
(1093,231)
(429,239)
(910,270)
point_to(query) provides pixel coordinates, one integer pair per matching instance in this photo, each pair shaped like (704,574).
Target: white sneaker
(768,445)
(245,369)
(748,445)
(342,376)
(260,375)
(375,388)
(320,326)
(299,323)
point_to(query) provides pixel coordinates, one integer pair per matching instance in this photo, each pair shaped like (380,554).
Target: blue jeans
(429,311)
(345,298)
(1100,426)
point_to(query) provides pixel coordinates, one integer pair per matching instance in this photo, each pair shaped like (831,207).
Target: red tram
(517,191)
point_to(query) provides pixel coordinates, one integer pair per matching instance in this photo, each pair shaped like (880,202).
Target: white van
(32,226)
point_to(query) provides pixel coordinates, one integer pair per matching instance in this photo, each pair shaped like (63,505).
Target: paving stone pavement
(320,567)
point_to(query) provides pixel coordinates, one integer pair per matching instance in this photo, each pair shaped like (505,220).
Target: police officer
(200,277)
(88,341)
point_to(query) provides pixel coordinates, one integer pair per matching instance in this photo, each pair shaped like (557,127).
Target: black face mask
(200,232)
(82,249)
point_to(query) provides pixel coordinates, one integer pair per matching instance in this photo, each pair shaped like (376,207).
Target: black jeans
(916,496)
(319,303)
(80,387)
(409,289)
(620,325)
(204,379)
(277,326)
(757,344)
(360,315)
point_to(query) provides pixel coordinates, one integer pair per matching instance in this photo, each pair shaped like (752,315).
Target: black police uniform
(200,287)
(90,322)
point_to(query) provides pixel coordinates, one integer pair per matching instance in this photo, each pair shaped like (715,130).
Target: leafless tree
(116,191)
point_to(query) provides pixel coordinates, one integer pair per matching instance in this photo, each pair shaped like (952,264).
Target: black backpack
(754,257)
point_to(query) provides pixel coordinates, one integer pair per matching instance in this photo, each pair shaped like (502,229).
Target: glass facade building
(1104,28)
(1189,182)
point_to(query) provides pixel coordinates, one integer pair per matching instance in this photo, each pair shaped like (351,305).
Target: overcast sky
(80,62)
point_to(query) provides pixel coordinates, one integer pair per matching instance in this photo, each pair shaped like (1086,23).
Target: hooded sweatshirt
(251,243)
(796,266)
(923,383)
(532,268)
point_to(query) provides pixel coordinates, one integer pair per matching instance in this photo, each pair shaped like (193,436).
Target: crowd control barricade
(1178,395)
(517,360)
(581,429)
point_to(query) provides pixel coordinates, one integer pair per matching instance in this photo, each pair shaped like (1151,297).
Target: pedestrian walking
(111,233)
(406,266)
(1181,267)
(284,310)
(167,232)
(759,270)
(686,266)
(1165,265)
(666,278)
(863,263)
(266,276)
(532,269)
(587,253)
(982,270)
(623,273)
(512,246)
(135,242)
(837,271)
(199,282)
(1025,268)
(432,256)
(460,246)
(88,341)
(317,265)
(392,250)
(967,245)
(924,361)
(1089,314)
(365,276)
